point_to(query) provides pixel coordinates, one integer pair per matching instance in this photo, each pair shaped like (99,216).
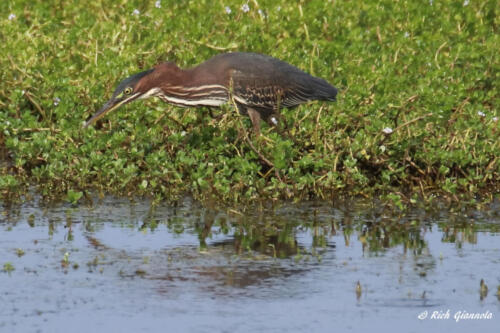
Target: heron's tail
(324,91)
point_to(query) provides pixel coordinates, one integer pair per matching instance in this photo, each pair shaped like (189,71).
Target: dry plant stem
(405,124)
(437,54)
(218,48)
(247,139)
(317,124)
(171,119)
(41,129)
(35,104)
(412,121)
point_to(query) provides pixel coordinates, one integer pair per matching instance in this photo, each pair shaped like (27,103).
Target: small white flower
(407,34)
(431,2)
(136,12)
(261,13)
(387,130)
(22,92)
(228,10)
(245,8)
(481,114)
(158,4)
(12,16)
(56,101)
(495,119)
(466,3)
(278,8)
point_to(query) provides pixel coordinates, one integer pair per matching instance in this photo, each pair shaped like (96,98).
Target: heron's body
(260,85)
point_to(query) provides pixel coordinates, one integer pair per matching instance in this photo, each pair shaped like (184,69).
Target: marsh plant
(416,116)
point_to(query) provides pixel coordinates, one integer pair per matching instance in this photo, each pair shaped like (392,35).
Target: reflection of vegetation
(273,233)
(459,234)
(272,237)
(462,229)
(280,244)
(239,250)
(390,233)
(378,229)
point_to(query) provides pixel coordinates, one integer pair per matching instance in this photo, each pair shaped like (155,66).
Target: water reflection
(324,258)
(272,233)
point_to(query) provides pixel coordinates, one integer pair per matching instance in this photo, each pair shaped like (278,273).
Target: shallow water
(121,266)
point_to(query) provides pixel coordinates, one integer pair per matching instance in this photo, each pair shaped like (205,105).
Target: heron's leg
(242,109)
(210,111)
(255,118)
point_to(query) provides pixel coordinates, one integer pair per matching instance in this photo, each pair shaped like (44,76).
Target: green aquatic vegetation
(20,252)
(358,291)
(416,117)
(483,290)
(31,220)
(73,196)
(8,267)
(65,260)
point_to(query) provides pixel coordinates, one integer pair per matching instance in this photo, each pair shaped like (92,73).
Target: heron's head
(128,90)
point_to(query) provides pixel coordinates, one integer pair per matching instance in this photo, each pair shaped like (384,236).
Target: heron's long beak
(110,105)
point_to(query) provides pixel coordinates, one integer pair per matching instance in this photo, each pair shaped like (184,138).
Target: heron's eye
(127,91)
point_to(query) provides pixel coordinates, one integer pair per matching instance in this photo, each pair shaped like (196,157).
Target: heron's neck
(191,87)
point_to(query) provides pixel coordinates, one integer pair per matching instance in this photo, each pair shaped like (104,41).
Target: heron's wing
(253,91)
(274,90)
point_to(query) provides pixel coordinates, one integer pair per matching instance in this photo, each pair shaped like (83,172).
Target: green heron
(258,84)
